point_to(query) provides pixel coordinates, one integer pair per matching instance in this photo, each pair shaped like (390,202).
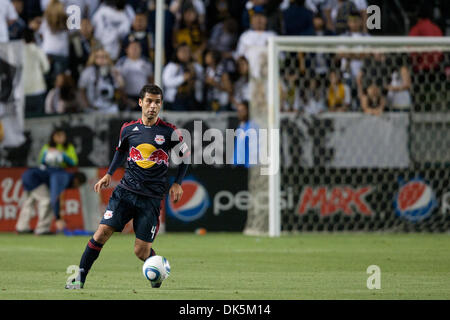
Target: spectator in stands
(82,43)
(136,72)
(34,24)
(313,5)
(241,91)
(351,63)
(17,28)
(252,6)
(298,20)
(338,93)
(217,83)
(139,32)
(245,143)
(224,37)
(112,23)
(319,61)
(100,83)
(320,28)
(177,7)
(189,30)
(35,66)
(169,23)
(398,96)
(44,186)
(427,66)
(217,12)
(337,12)
(313,100)
(64,97)
(8,16)
(55,39)
(425,27)
(372,101)
(59,152)
(183,81)
(290,91)
(252,42)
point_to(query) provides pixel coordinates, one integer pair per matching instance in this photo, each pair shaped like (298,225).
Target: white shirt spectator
(199,6)
(7,14)
(54,43)
(86,6)
(110,27)
(241,90)
(334,6)
(135,74)
(251,45)
(353,65)
(173,77)
(35,65)
(99,89)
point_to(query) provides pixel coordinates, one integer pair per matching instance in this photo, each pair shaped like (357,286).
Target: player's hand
(103,183)
(175,192)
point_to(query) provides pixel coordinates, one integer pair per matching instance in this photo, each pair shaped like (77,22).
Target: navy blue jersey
(148,149)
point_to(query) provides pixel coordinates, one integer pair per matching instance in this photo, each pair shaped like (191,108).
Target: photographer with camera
(101,84)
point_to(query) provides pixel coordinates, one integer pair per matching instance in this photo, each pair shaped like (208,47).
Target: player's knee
(103,233)
(142,252)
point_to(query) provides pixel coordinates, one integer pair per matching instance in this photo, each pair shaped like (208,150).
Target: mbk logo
(74,17)
(373,17)
(374,281)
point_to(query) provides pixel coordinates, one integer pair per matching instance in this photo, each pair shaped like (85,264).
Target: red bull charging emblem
(146,156)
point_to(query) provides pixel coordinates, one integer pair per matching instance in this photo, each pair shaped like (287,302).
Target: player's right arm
(119,158)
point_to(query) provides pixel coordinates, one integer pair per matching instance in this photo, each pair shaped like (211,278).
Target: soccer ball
(53,158)
(156,269)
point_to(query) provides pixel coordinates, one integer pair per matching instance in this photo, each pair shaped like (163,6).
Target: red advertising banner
(12,196)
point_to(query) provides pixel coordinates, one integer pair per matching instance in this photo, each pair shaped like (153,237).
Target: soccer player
(145,144)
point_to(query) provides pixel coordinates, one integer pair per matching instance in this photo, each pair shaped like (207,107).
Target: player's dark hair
(151,89)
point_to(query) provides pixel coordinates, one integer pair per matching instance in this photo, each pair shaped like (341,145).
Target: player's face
(151,105)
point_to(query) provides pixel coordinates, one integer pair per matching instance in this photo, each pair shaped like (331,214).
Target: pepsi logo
(192,205)
(415,201)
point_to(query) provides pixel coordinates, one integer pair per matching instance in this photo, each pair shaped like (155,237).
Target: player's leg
(45,216)
(143,249)
(23,222)
(146,226)
(114,219)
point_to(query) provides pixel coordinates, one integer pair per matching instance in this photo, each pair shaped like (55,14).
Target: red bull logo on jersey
(146,156)
(193,204)
(328,201)
(415,201)
(159,139)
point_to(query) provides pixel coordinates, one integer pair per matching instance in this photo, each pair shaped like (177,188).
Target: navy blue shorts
(125,205)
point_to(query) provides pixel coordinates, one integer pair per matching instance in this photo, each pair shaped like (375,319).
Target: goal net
(364,127)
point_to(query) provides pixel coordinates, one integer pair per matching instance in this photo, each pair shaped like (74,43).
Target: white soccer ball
(53,158)
(156,269)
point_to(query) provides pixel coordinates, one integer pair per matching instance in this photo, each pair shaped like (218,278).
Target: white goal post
(279,44)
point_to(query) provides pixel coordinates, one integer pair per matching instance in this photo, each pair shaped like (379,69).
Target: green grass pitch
(233,266)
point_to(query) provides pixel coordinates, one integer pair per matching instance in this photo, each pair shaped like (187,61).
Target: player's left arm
(176,191)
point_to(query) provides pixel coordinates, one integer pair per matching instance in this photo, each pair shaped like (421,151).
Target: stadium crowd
(208,55)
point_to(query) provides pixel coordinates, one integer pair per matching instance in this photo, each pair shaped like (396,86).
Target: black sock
(89,256)
(152,253)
